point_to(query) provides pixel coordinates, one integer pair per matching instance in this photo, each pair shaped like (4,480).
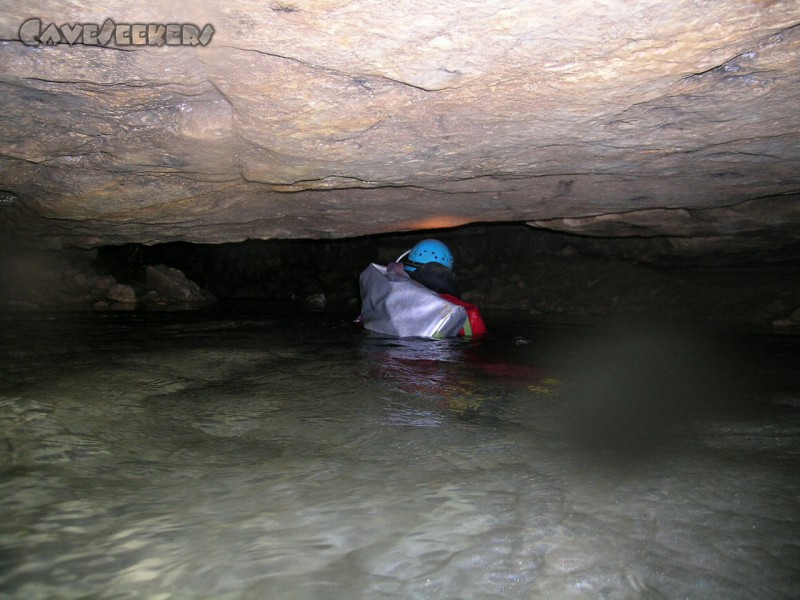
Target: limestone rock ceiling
(335,118)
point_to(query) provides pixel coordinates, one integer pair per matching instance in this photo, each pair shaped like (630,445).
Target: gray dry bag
(393,304)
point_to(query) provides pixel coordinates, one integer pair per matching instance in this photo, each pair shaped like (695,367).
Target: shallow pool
(212,454)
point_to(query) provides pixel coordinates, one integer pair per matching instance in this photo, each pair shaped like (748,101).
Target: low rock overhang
(333,119)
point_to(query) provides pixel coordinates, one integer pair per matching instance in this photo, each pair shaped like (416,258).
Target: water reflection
(466,377)
(208,455)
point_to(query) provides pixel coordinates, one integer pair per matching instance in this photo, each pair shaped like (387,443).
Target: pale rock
(338,118)
(120,292)
(316,301)
(173,284)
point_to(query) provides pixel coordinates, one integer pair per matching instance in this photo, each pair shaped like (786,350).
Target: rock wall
(73,280)
(511,271)
(337,118)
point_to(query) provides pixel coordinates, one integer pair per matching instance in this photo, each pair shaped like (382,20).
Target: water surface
(291,455)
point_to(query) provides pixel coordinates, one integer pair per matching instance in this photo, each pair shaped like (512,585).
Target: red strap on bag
(475,320)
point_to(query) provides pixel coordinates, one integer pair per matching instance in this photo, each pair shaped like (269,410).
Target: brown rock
(173,284)
(120,292)
(339,118)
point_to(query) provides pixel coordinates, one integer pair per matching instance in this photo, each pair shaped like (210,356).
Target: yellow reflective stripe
(467,328)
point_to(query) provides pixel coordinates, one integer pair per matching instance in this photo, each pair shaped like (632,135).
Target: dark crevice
(502,267)
(509,269)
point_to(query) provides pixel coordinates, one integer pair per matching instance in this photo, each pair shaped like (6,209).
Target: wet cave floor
(236,451)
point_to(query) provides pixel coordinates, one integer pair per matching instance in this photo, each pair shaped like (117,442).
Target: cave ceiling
(219,122)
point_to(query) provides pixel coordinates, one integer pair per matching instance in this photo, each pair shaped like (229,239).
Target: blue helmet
(429,251)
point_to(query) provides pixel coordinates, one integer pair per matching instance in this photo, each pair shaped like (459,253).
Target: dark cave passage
(508,269)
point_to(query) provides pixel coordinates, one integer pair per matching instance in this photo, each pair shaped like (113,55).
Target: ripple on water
(227,459)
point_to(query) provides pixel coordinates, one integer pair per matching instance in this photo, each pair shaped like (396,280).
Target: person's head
(430,263)
(428,251)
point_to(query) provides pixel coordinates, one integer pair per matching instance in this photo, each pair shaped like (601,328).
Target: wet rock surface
(173,285)
(319,119)
(120,292)
(59,280)
(510,271)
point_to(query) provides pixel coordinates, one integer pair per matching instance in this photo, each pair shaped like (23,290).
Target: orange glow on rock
(437,222)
